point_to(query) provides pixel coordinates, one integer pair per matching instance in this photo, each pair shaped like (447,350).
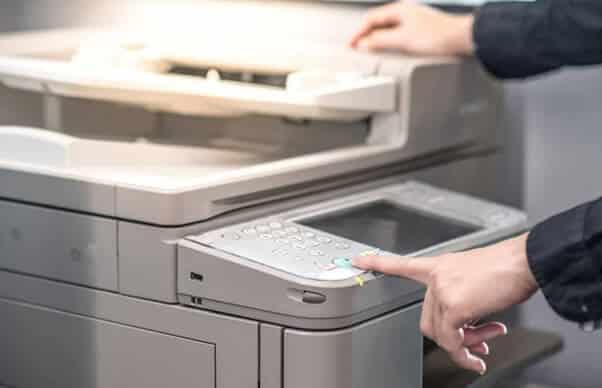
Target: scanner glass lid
(391,227)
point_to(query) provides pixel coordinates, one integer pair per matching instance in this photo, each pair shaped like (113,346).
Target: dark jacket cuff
(501,36)
(565,263)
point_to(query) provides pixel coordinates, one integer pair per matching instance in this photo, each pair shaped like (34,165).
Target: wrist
(462,40)
(518,254)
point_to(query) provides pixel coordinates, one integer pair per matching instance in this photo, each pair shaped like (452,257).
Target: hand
(463,288)
(415,29)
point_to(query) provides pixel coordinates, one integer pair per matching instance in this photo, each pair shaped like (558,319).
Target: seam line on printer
(104,319)
(26,303)
(338,328)
(428,161)
(282,357)
(118,275)
(259,355)
(455,154)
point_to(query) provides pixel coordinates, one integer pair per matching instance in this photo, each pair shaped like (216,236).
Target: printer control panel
(291,247)
(319,242)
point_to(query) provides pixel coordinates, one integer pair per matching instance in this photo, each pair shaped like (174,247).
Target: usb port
(196,276)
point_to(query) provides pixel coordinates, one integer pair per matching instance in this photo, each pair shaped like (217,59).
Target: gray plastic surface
(270,356)
(147,262)
(41,347)
(463,114)
(243,287)
(276,289)
(54,244)
(236,340)
(282,241)
(62,192)
(382,353)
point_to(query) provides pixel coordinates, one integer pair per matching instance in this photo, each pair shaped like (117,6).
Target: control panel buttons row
(285,235)
(273,227)
(321,262)
(293,248)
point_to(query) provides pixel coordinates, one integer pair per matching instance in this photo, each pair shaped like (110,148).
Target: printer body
(184,215)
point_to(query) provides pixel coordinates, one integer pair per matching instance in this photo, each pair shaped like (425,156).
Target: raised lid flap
(308,94)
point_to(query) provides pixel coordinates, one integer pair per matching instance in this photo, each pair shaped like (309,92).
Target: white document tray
(354,99)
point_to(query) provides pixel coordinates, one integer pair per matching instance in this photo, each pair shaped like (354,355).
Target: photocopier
(182,213)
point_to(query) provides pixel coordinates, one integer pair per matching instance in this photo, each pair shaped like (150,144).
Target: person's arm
(565,256)
(561,256)
(521,39)
(463,288)
(512,39)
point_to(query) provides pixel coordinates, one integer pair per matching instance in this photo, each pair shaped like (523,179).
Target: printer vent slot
(210,73)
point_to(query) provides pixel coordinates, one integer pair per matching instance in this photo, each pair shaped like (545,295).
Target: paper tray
(352,100)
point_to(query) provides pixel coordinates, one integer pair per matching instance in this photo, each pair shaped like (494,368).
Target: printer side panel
(41,347)
(58,335)
(59,245)
(381,353)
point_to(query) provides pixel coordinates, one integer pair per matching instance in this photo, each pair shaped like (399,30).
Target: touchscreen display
(389,227)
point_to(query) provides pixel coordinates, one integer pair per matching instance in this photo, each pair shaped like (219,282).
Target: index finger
(380,17)
(418,269)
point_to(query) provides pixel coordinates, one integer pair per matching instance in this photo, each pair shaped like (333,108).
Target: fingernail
(486,348)
(483,368)
(503,327)
(471,357)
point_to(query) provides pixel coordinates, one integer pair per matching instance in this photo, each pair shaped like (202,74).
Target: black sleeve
(521,39)
(565,255)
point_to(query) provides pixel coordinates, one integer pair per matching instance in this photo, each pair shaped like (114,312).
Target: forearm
(517,40)
(565,255)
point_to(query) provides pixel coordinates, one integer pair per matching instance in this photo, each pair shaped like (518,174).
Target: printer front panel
(295,268)
(45,347)
(384,352)
(55,244)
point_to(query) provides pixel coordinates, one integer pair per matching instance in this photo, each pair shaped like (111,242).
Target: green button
(343,262)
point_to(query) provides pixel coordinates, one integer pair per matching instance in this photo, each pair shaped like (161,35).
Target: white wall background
(564,160)
(9,11)
(564,129)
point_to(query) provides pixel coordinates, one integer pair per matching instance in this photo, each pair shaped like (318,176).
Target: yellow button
(360,281)
(370,253)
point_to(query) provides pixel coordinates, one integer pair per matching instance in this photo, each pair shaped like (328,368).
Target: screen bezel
(401,206)
(436,212)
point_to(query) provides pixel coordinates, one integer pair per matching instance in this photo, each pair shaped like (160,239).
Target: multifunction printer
(176,213)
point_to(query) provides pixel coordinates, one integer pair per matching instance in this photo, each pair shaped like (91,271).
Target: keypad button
(327,266)
(266,236)
(283,241)
(342,246)
(281,252)
(324,240)
(292,229)
(370,253)
(296,238)
(249,231)
(309,235)
(263,228)
(316,252)
(343,262)
(299,246)
(279,233)
(276,225)
(312,243)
